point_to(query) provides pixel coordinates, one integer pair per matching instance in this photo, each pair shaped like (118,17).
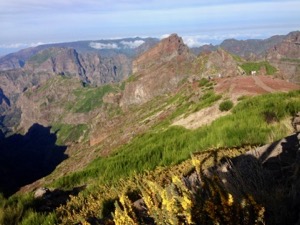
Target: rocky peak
(167,49)
(158,71)
(172,44)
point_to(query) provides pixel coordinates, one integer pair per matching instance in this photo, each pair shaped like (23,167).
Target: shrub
(204,201)
(226,105)
(203,82)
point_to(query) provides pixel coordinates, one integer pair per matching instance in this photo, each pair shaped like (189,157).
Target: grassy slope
(162,145)
(256,66)
(248,124)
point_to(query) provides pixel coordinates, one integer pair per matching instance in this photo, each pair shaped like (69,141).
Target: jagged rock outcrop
(286,57)
(166,50)
(218,63)
(158,71)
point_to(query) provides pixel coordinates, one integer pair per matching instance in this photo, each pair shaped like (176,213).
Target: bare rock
(286,57)
(41,192)
(296,122)
(158,71)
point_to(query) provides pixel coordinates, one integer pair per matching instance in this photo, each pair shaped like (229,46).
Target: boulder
(41,192)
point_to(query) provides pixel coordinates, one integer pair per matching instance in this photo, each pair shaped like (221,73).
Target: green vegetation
(293,60)
(185,107)
(67,133)
(237,58)
(209,203)
(256,66)
(203,82)
(19,209)
(88,99)
(246,125)
(42,56)
(243,97)
(122,86)
(132,78)
(226,105)
(254,121)
(206,100)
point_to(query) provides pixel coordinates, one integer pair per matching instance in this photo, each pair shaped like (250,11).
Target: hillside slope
(112,141)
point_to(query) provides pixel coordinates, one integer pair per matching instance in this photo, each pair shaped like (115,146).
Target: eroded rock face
(158,71)
(286,57)
(218,63)
(101,70)
(55,60)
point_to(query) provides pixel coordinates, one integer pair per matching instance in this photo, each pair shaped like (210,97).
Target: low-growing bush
(226,105)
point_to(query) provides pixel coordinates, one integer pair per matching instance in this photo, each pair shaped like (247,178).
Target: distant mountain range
(127,46)
(245,48)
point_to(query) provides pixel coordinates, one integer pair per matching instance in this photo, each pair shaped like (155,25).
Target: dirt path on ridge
(262,85)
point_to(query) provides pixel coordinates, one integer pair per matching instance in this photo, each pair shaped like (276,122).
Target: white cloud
(36,44)
(164,36)
(20,45)
(98,45)
(132,44)
(193,41)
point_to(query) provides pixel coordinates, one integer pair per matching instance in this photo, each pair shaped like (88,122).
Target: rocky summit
(158,71)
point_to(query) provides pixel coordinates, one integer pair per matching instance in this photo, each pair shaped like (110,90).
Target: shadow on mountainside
(270,174)
(25,159)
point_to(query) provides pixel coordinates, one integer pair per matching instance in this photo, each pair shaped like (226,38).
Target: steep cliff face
(4,102)
(286,57)
(101,70)
(158,71)
(55,60)
(48,103)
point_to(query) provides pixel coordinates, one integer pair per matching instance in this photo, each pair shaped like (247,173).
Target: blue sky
(25,23)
